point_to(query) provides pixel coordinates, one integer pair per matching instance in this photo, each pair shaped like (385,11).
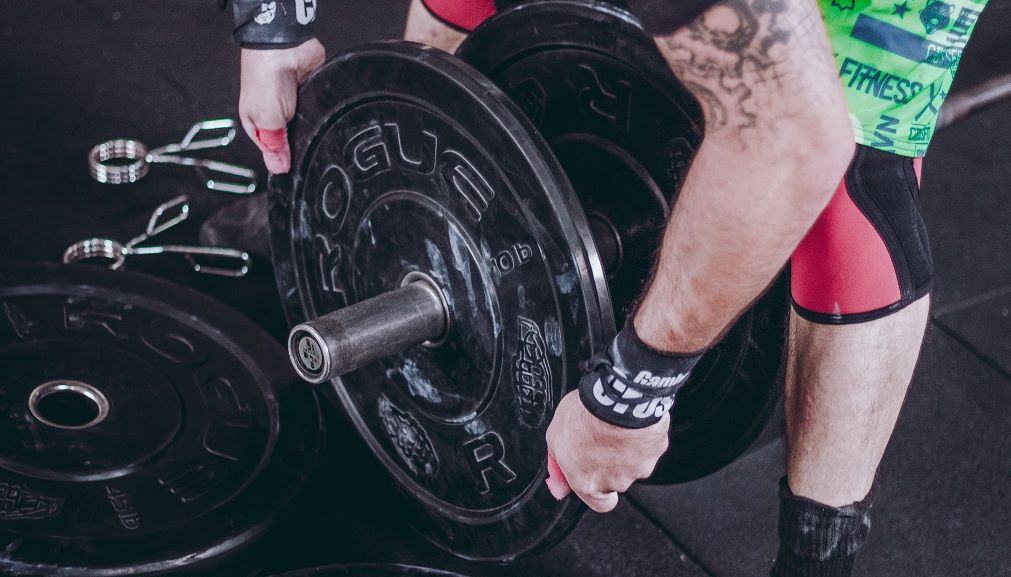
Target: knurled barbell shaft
(354,336)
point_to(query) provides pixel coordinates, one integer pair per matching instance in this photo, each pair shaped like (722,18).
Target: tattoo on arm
(739,58)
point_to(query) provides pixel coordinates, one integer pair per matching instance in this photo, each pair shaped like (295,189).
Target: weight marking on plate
(223,390)
(409,438)
(370,150)
(18,502)
(123,505)
(429,145)
(533,374)
(468,181)
(19,321)
(370,139)
(615,105)
(532,98)
(221,433)
(336,195)
(227,434)
(85,314)
(329,258)
(167,344)
(486,456)
(190,484)
(79,319)
(512,258)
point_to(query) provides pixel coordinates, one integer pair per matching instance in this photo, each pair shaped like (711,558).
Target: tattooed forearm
(743,59)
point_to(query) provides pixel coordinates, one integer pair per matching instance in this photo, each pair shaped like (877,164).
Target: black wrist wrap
(816,540)
(632,385)
(274,23)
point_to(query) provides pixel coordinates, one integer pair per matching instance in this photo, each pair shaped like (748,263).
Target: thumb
(273,143)
(558,485)
(267,95)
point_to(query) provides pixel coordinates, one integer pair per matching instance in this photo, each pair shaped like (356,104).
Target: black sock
(816,540)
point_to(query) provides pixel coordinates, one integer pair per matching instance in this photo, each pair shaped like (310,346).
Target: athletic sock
(816,540)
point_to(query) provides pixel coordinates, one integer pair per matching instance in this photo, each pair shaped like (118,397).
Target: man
(764,187)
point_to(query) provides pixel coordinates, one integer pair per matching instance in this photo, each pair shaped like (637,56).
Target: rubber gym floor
(77,73)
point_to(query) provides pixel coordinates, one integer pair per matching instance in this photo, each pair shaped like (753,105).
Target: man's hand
(269,81)
(600,460)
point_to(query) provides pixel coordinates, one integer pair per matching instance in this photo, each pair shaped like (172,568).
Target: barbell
(459,233)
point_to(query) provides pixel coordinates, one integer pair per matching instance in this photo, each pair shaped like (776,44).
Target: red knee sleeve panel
(463,14)
(466,15)
(867,255)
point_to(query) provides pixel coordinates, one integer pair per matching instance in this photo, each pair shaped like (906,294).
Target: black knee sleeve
(817,540)
(867,255)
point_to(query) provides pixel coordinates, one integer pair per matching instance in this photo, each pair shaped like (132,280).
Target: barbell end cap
(309,354)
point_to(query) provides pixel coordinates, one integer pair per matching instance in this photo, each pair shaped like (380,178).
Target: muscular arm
(778,140)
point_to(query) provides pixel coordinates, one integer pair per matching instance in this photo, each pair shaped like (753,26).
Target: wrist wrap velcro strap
(273,24)
(817,540)
(632,385)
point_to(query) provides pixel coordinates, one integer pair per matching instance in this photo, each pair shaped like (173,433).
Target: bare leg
(425,28)
(845,386)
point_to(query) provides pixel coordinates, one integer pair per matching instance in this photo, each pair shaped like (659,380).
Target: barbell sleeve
(354,336)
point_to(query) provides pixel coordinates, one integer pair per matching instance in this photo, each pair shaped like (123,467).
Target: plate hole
(68,405)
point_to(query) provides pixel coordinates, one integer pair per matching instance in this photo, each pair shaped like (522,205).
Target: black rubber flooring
(73,73)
